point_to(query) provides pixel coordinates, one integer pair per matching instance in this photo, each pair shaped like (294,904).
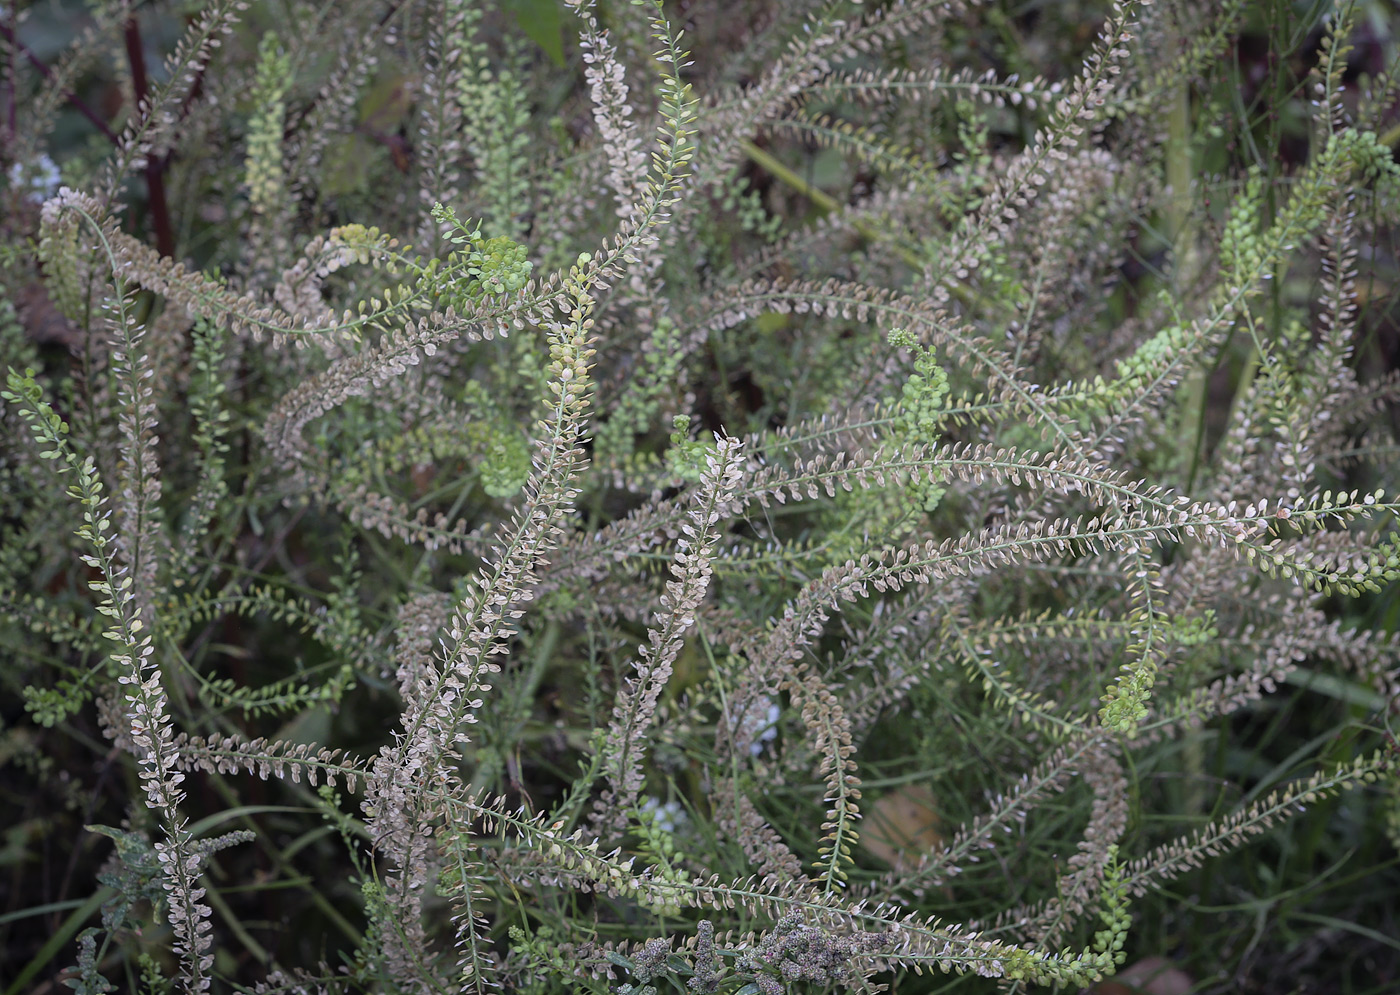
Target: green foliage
(831,413)
(644,394)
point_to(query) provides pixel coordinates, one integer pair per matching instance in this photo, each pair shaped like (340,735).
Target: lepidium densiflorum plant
(594,497)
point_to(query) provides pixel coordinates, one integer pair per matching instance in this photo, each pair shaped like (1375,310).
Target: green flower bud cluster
(658,845)
(920,410)
(263,165)
(504,463)
(752,216)
(925,392)
(1134,371)
(1114,914)
(362,244)
(542,949)
(50,706)
(1373,157)
(686,457)
(1125,703)
(1241,250)
(482,267)
(1194,630)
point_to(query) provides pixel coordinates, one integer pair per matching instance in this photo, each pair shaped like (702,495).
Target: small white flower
(39,178)
(668,816)
(770,729)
